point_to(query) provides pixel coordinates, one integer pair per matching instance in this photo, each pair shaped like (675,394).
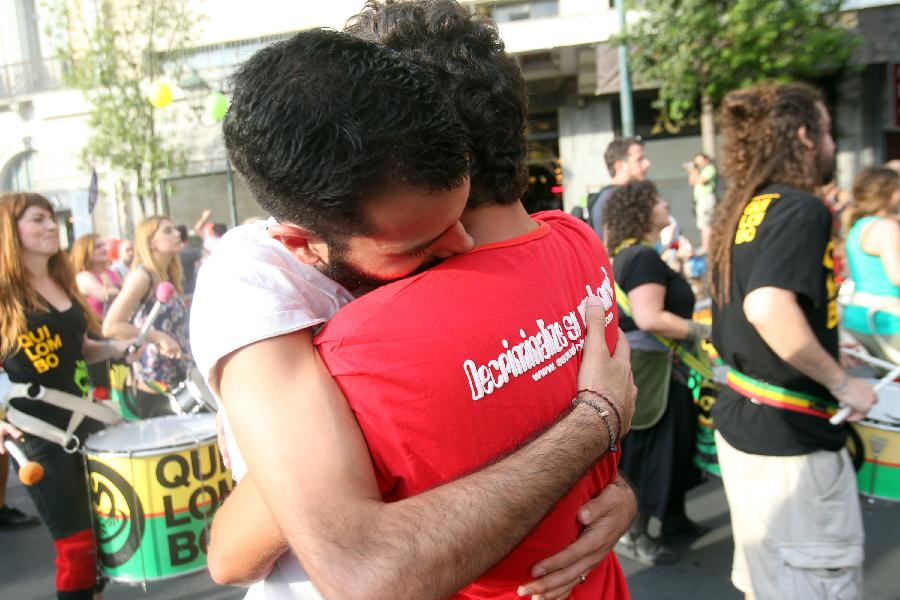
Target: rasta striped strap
(779,397)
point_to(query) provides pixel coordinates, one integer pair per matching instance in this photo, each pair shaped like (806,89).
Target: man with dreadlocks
(789,481)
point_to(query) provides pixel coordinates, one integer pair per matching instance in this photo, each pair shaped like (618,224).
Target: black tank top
(50,354)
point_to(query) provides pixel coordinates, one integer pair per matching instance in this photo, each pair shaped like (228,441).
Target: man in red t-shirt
(466,361)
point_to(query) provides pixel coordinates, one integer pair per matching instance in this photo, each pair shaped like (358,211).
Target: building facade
(562,45)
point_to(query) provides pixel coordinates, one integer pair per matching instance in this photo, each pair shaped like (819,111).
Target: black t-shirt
(640,264)
(50,355)
(784,241)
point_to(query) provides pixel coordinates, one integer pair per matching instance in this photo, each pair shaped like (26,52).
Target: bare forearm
(245,541)
(781,324)
(665,324)
(95,351)
(435,543)
(119,330)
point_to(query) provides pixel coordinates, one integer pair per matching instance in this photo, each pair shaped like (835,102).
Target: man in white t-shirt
(250,289)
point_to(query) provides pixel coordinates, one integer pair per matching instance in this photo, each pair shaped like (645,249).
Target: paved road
(26,570)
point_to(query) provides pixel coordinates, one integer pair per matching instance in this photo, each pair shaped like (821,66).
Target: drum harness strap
(761,392)
(79,406)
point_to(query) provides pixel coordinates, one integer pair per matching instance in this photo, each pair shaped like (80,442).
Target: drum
(705,456)
(879,473)
(120,391)
(155,485)
(192,395)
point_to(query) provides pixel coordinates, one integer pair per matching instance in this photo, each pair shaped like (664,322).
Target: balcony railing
(18,79)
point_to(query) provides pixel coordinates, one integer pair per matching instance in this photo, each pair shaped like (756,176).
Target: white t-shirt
(250,289)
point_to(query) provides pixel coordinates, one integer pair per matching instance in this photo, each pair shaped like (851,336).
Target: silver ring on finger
(582,578)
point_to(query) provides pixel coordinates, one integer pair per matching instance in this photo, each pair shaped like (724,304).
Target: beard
(826,166)
(357,282)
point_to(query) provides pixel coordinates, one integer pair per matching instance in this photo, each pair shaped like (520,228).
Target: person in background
(657,457)
(626,162)
(703,177)
(96,281)
(122,264)
(190,257)
(99,284)
(873,255)
(208,231)
(40,301)
(790,483)
(163,362)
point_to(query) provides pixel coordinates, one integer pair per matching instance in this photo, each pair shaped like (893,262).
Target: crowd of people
(426,392)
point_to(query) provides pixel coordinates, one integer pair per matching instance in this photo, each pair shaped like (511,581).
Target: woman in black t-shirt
(43,340)
(657,455)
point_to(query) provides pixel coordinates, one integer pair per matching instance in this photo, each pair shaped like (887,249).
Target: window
(517,11)
(17,175)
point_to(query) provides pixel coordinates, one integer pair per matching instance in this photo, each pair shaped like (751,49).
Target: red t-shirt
(452,367)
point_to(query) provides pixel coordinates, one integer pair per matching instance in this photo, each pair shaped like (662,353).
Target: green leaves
(696,47)
(113,49)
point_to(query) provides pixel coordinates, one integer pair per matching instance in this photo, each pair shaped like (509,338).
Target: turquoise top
(869,276)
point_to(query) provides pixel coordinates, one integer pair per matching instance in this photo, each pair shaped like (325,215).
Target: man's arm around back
(313,469)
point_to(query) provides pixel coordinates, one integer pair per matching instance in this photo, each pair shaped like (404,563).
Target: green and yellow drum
(705,456)
(879,474)
(155,485)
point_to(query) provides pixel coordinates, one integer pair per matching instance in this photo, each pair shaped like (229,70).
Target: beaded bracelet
(604,414)
(603,398)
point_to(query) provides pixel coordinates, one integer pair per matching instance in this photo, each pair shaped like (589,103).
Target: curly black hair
(629,212)
(324,120)
(484,83)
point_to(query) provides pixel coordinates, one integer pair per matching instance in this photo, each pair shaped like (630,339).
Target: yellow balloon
(160,94)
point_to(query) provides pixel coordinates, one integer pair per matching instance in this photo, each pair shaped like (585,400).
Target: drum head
(887,410)
(153,434)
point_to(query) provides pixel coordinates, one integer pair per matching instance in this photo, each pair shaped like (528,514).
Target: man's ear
(302,243)
(804,138)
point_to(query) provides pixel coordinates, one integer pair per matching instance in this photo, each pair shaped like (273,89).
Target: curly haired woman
(657,455)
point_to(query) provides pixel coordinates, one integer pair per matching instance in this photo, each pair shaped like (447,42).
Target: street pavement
(26,563)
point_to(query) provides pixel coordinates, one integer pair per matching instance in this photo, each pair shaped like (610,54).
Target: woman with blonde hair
(163,362)
(44,322)
(96,281)
(873,254)
(99,285)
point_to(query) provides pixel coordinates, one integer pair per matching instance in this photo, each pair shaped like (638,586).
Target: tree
(112,50)
(698,50)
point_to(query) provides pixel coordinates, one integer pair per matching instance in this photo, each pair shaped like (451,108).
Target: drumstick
(863,356)
(165,291)
(842,414)
(30,472)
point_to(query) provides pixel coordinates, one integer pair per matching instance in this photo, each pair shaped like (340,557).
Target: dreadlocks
(761,147)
